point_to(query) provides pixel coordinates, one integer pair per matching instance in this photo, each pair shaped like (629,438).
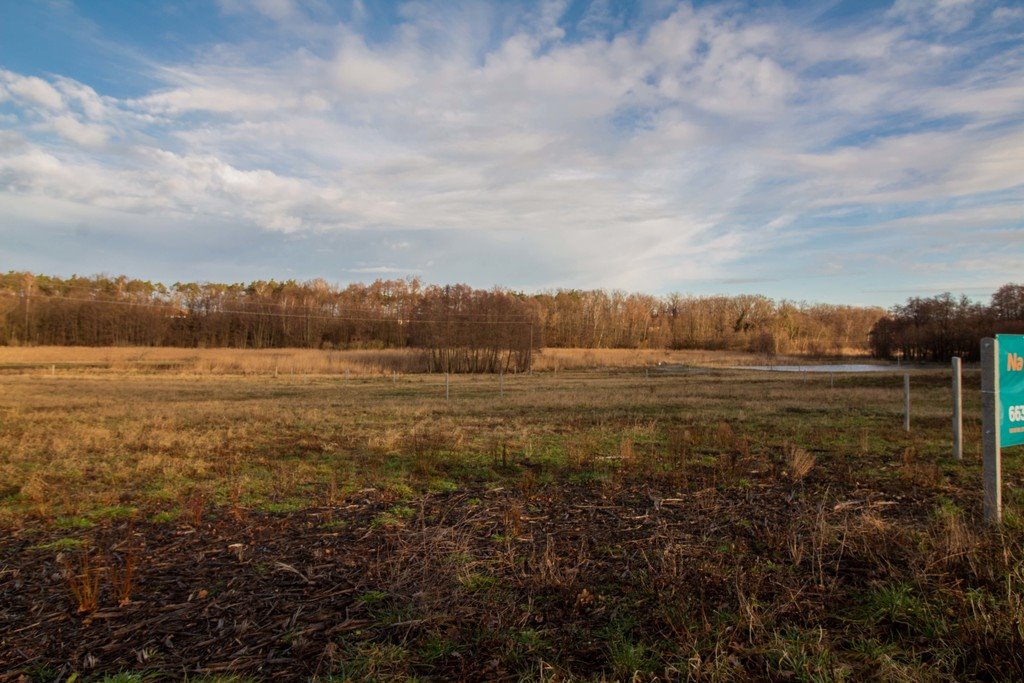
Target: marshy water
(842,367)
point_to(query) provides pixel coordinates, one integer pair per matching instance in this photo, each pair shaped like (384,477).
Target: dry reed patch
(955,544)
(799,463)
(83,575)
(918,471)
(187,361)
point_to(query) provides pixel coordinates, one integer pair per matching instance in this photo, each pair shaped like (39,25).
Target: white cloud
(1008,14)
(942,15)
(84,134)
(357,69)
(32,90)
(659,154)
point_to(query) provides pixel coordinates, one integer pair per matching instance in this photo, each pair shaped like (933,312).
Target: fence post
(992,466)
(446,386)
(501,383)
(958,422)
(906,402)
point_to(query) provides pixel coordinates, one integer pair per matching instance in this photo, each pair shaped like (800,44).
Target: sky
(849,152)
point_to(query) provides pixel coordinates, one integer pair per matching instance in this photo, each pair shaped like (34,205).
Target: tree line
(465,329)
(939,327)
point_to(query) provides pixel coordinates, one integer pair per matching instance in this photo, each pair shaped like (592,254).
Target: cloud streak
(680,149)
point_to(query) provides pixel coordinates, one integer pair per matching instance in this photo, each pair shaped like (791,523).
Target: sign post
(1002,411)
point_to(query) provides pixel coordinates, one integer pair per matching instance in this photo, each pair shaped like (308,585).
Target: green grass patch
(74,523)
(60,544)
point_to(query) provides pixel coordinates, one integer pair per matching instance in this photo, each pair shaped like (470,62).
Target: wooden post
(501,383)
(906,402)
(992,466)
(446,394)
(958,422)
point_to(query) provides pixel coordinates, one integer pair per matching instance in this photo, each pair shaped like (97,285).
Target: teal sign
(1010,380)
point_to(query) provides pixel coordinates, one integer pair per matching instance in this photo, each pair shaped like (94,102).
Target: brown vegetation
(940,327)
(611,524)
(465,328)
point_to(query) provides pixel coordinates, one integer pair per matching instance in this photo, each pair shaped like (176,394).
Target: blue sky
(857,152)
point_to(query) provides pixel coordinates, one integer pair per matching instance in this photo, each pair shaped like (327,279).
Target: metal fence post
(906,402)
(992,466)
(958,421)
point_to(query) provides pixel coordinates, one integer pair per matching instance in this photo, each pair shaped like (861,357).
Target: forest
(471,330)
(102,311)
(939,327)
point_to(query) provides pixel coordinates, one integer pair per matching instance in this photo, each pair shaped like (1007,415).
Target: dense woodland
(100,310)
(939,327)
(471,330)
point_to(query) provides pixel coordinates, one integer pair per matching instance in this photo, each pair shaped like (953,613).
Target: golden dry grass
(82,440)
(580,359)
(210,361)
(167,360)
(783,507)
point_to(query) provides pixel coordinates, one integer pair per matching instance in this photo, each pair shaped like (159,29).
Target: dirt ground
(614,526)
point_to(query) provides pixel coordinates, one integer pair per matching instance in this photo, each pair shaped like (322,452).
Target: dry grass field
(164,360)
(202,517)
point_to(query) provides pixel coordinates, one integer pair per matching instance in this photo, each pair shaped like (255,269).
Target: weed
(122,574)
(165,517)
(476,582)
(83,579)
(397,515)
(629,660)
(74,523)
(194,507)
(899,607)
(512,518)
(799,463)
(131,677)
(60,544)
(804,656)
(113,512)
(724,435)
(373,662)
(373,597)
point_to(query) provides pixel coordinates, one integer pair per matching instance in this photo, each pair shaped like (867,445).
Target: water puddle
(847,367)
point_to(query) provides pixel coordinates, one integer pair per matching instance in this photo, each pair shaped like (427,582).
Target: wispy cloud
(675,148)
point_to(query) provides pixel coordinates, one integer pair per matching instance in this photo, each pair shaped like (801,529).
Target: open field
(596,524)
(165,360)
